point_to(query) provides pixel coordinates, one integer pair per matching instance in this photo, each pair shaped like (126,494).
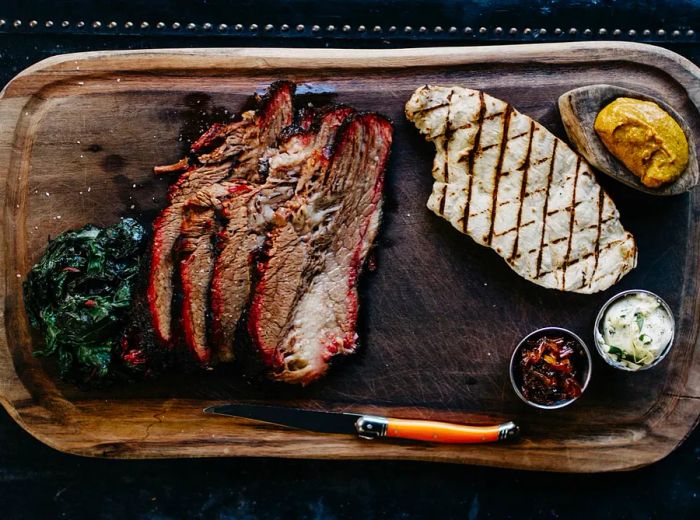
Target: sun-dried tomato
(550,369)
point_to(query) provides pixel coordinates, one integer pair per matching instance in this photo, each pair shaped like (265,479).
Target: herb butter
(635,331)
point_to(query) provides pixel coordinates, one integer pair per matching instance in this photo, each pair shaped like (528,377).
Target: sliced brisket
(251,212)
(304,308)
(239,147)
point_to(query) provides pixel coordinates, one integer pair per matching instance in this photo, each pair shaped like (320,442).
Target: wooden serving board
(440,316)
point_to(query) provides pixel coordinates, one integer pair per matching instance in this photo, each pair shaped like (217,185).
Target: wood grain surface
(439,317)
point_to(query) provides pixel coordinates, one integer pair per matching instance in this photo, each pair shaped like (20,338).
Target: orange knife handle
(433,431)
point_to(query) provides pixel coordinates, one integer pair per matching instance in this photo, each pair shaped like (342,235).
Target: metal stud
(238,27)
(191,26)
(160,25)
(452,30)
(587,32)
(408,29)
(468,30)
(557,31)
(690,33)
(223,27)
(206,26)
(346,28)
(80,24)
(572,31)
(661,32)
(513,31)
(284,27)
(527,30)
(632,33)
(48,23)
(2,22)
(392,29)
(253,27)
(112,25)
(437,29)
(175,25)
(543,31)
(676,34)
(96,24)
(361,28)
(269,27)
(144,25)
(315,28)
(330,28)
(483,30)
(498,30)
(377,29)
(646,32)
(422,29)
(617,32)
(33,23)
(602,31)
(300,28)
(17,23)
(65,23)
(129,25)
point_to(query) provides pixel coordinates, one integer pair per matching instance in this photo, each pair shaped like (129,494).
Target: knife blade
(368,426)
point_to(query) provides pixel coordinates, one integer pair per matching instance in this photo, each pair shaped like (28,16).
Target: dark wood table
(38,482)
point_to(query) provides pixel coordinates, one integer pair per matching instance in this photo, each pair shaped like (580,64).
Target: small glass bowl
(598,334)
(550,331)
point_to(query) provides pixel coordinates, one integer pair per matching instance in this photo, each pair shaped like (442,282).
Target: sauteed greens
(79,294)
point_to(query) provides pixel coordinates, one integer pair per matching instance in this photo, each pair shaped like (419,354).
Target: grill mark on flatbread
(585,257)
(546,203)
(571,224)
(583,280)
(470,161)
(431,108)
(498,171)
(442,201)
(523,190)
(601,200)
(448,135)
(494,116)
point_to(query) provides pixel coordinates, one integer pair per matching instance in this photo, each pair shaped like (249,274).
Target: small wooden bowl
(578,109)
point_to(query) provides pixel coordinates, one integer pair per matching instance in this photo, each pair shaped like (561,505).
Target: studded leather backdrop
(365,20)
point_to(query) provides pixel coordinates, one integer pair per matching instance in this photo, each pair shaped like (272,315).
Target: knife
(369,426)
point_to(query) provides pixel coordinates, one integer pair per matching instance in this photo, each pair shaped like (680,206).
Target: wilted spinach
(79,294)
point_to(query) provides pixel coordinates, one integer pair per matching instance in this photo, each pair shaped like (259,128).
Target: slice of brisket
(251,212)
(304,307)
(238,149)
(231,278)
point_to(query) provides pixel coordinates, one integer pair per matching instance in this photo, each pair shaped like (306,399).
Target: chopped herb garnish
(645,339)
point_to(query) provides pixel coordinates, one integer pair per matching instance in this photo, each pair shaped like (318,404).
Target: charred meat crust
(274,113)
(310,123)
(316,222)
(304,309)
(303,146)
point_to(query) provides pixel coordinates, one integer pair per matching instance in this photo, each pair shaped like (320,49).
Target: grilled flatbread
(507,182)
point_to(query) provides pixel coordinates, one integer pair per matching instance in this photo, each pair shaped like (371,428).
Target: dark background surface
(38,482)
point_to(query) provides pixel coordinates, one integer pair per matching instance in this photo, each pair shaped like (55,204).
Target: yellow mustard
(645,138)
